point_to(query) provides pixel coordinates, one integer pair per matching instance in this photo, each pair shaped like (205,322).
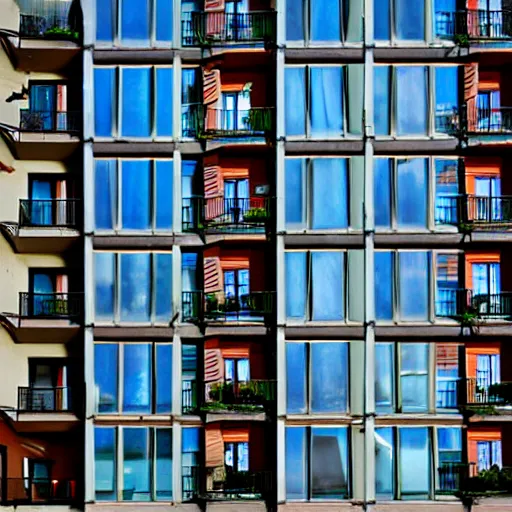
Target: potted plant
(256,215)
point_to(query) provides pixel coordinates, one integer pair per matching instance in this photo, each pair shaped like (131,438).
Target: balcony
(45,317)
(44,226)
(480,392)
(48,37)
(466,306)
(474,25)
(189,402)
(475,212)
(226,215)
(38,491)
(43,135)
(254,307)
(201,483)
(201,122)
(226,29)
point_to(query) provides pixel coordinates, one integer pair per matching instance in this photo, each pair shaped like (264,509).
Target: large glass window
(447,375)
(315,106)
(321,22)
(146,384)
(317,377)
(145,458)
(136,105)
(128,280)
(406,25)
(317,463)
(414,451)
(134,23)
(404,105)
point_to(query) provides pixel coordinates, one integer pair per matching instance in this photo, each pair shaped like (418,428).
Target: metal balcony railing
(474,24)
(486,120)
(200,121)
(189,402)
(250,393)
(56,399)
(51,305)
(455,302)
(481,392)
(50,25)
(222,28)
(476,210)
(49,213)
(453,477)
(228,485)
(38,491)
(225,214)
(49,121)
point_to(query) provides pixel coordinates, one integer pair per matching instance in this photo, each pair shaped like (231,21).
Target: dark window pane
(106,357)
(294,193)
(296,378)
(105,463)
(105,21)
(164,20)
(163,469)
(381,16)
(447,96)
(137,378)
(163,378)
(295,20)
(384,285)
(164,190)
(135,21)
(296,476)
(449,444)
(164,90)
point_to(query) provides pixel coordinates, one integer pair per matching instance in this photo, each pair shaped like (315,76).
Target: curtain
(327,277)
(62,217)
(326,109)
(41,209)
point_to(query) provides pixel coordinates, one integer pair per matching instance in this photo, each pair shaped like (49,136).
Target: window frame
(117,290)
(153,201)
(117,106)
(119,461)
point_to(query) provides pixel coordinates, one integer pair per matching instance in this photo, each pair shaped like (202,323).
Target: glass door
(236,290)
(487,374)
(487,287)
(488,199)
(236,199)
(42,104)
(41,206)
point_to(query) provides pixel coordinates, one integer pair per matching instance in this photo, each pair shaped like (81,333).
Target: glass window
(163,378)
(135,287)
(384,468)
(106,356)
(414,377)
(414,285)
(105,463)
(384,377)
(163,194)
(325,20)
(137,378)
(105,21)
(447,97)
(295,97)
(384,279)
(295,465)
(135,16)
(328,286)
(296,285)
(411,94)
(163,468)
(449,445)
(447,190)
(382,104)
(136,105)
(296,375)
(414,444)
(104,271)
(136,464)
(447,375)
(381,17)
(294,192)
(104,104)
(105,193)
(190,450)
(164,20)
(409,23)
(295,20)
(163,294)
(382,168)
(447,285)
(326,90)
(164,90)
(136,194)
(412,193)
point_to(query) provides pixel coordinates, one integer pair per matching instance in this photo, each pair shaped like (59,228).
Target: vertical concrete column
(176,25)
(176,282)
(89,473)
(176,470)
(89,12)
(176,375)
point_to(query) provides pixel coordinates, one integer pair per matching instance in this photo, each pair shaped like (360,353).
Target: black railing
(49,121)
(474,24)
(39,490)
(457,302)
(202,122)
(452,302)
(49,213)
(224,483)
(56,399)
(493,304)
(480,119)
(189,403)
(475,210)
(452,477)
(481,392)
(192,304)
(225,214)
(51,305)
(220,28)
(252,393)
(54,25)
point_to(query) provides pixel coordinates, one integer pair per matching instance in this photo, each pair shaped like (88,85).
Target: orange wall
(481,167)
(475,349)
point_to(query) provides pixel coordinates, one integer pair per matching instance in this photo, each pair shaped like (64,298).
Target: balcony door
(235,111)
(487,287)
(489,454)
(237,21)
(236,371)
(490,18)
(487,374)
(487,199)
(49,293)
(236,457)
(488,111)
(236,289)
(236,199)
(48,386)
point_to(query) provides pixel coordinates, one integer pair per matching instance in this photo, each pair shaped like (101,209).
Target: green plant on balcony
(256,215)
(466,228)
(462,40)
(259,120)
(61,33)
(250,393)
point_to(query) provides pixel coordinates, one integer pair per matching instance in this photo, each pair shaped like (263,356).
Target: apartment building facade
(254,255)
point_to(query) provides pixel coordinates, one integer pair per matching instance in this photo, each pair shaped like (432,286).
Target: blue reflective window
(164,90)
(105,463)
(135,16)
(163,282)
(106,21)
(295,20)
(326,109)
(295,97)
(136,194)
(137,378)
(382,192)
(444,15)
(412,193)
(381,18)
(105,193)
(136,104)
(295,463)
(294,193)
(327,272)
(384,285)
(412,104)
(382,99)
(447,96)
(106,357)
(384,468)
(163,378)
(104,274)
(136,464)
(164,20)
(296,375)
(163,468)
(410,23)
(135,287)
(104,101)
(296,285)
(414,285)
(414,376)
(414,445)
(325,24)
(384,377)
(164,191)
(449,445)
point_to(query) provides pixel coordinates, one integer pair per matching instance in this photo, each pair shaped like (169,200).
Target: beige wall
(10,14)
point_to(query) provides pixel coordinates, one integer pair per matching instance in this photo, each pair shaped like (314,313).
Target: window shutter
(213,281)
(470,93)
(211,95)
(213,191)
(213,365)
(214,448)
(214,5)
